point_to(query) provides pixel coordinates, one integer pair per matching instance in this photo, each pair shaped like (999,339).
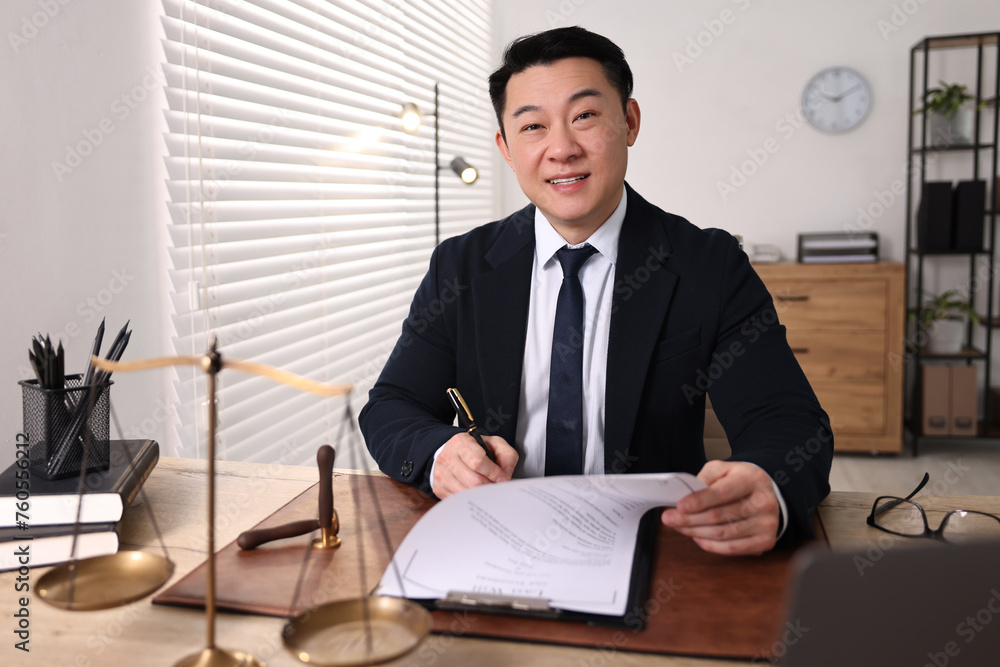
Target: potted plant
(952,120)
(943,317)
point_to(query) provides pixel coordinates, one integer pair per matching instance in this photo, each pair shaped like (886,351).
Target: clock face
(836,100)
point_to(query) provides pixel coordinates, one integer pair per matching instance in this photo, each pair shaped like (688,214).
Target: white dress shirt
(597,277)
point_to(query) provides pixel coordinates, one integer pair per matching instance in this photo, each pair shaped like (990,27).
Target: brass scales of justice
(363,631)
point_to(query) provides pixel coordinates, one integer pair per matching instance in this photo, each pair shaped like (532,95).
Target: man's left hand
(738,514)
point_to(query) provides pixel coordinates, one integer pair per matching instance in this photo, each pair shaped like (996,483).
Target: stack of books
(52,506)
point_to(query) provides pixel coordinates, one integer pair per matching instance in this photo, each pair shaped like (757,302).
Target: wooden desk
(247,493)
(844,515)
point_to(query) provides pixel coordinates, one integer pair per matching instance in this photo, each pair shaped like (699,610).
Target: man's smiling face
(567,141)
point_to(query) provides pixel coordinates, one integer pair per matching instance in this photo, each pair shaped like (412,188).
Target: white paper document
(569,540)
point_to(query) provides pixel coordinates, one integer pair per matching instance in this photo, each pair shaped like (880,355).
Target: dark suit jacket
(689,316)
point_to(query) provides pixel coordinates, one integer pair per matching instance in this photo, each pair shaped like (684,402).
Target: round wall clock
(836,99)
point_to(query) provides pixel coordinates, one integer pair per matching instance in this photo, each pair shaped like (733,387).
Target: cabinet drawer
(854,408)
(847,356)
(830,304)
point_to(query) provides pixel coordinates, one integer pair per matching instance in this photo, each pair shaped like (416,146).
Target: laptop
(932,605)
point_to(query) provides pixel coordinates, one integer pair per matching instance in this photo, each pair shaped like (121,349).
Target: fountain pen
(466,421)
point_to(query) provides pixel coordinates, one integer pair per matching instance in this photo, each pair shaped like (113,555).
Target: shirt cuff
(784,510)
(434,462)
(782,507)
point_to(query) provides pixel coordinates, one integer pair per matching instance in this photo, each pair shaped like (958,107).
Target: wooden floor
(955,468)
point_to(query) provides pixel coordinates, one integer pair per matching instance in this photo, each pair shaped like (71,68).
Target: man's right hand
(462,464)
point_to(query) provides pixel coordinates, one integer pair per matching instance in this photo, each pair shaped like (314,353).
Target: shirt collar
(605,238)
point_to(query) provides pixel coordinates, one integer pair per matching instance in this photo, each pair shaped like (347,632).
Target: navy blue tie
(564,426)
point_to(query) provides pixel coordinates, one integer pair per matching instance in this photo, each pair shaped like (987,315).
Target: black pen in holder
(59,422)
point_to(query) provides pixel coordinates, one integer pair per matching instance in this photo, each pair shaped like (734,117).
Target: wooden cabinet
(845,325)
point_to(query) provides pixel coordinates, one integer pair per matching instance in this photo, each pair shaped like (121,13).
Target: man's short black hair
(545,48)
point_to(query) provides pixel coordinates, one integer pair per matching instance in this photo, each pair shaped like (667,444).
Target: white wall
(65,66)
(89,241)
(700,118)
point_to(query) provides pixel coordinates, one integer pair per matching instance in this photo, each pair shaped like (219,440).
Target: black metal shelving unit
(985,45)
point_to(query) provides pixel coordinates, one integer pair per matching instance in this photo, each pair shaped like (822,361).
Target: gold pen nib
(460,402)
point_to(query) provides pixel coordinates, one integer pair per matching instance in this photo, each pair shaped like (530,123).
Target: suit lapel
(500,303)
(643,290)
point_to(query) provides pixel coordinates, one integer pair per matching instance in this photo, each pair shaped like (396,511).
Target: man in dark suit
(669,313)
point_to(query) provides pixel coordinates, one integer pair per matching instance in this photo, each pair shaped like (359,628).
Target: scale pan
(104,582)
(336,634)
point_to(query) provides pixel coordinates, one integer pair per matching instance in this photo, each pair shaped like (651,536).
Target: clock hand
(815,96)
(845,93)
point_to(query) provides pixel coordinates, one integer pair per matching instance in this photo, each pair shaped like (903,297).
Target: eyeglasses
(904,517)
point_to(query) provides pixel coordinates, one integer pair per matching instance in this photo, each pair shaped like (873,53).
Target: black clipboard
(642,567)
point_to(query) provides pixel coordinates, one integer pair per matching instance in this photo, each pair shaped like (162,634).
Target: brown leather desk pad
(699,603)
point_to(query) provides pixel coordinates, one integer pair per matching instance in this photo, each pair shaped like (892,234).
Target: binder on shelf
(831,247)
(950,400)
(963,406)
(970,213)
(934,217)
(935,400)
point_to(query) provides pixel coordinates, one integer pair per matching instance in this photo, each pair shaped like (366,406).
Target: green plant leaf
(946,100)
(947,305)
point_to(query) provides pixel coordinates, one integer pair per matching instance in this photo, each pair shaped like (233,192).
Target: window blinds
(302,215)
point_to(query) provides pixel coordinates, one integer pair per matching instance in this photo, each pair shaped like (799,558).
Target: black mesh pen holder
(58,422)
